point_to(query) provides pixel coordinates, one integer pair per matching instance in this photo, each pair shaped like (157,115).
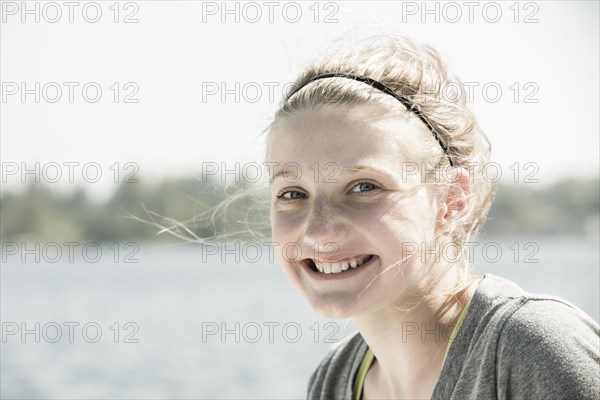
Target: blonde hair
(417,72)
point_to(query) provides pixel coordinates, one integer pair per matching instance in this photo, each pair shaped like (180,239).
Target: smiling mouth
(338,267)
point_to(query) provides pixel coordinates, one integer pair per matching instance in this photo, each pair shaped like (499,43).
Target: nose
(325,226)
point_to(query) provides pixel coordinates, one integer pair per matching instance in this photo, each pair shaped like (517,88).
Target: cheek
(418,214)
(285,225)
(396,225)
(285,230)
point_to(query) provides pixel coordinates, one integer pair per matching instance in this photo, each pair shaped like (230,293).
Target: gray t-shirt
(511,345)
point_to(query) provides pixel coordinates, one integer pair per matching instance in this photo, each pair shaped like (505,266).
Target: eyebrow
(360,168)
(282,174)
(344,171)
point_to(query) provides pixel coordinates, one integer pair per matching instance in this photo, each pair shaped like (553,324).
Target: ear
(458,190)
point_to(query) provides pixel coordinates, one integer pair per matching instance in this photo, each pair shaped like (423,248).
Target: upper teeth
(334,268)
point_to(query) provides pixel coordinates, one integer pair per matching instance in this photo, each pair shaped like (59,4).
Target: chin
(335,308)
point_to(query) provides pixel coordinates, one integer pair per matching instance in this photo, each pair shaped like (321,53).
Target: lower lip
(349,273)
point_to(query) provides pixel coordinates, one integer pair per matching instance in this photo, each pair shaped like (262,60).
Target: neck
(409,346)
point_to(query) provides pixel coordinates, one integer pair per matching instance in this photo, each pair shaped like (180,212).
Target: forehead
(345,136)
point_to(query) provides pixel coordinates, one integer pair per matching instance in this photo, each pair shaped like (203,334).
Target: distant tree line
(40,213)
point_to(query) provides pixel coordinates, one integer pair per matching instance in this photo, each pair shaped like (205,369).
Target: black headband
(408,103)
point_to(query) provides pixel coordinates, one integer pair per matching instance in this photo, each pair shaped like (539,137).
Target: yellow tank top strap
(359,381)
(456,328)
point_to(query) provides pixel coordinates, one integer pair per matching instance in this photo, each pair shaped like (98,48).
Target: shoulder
(333,376)
(550,319)
(549,348)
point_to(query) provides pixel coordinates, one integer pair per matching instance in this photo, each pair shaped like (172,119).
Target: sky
(153,89)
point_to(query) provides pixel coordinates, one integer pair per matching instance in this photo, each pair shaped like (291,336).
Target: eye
(291,195)
(364,187)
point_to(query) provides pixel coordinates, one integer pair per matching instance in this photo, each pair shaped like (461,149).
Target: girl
(376,187)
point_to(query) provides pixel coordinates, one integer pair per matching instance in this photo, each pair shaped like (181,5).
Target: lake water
(180,323)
